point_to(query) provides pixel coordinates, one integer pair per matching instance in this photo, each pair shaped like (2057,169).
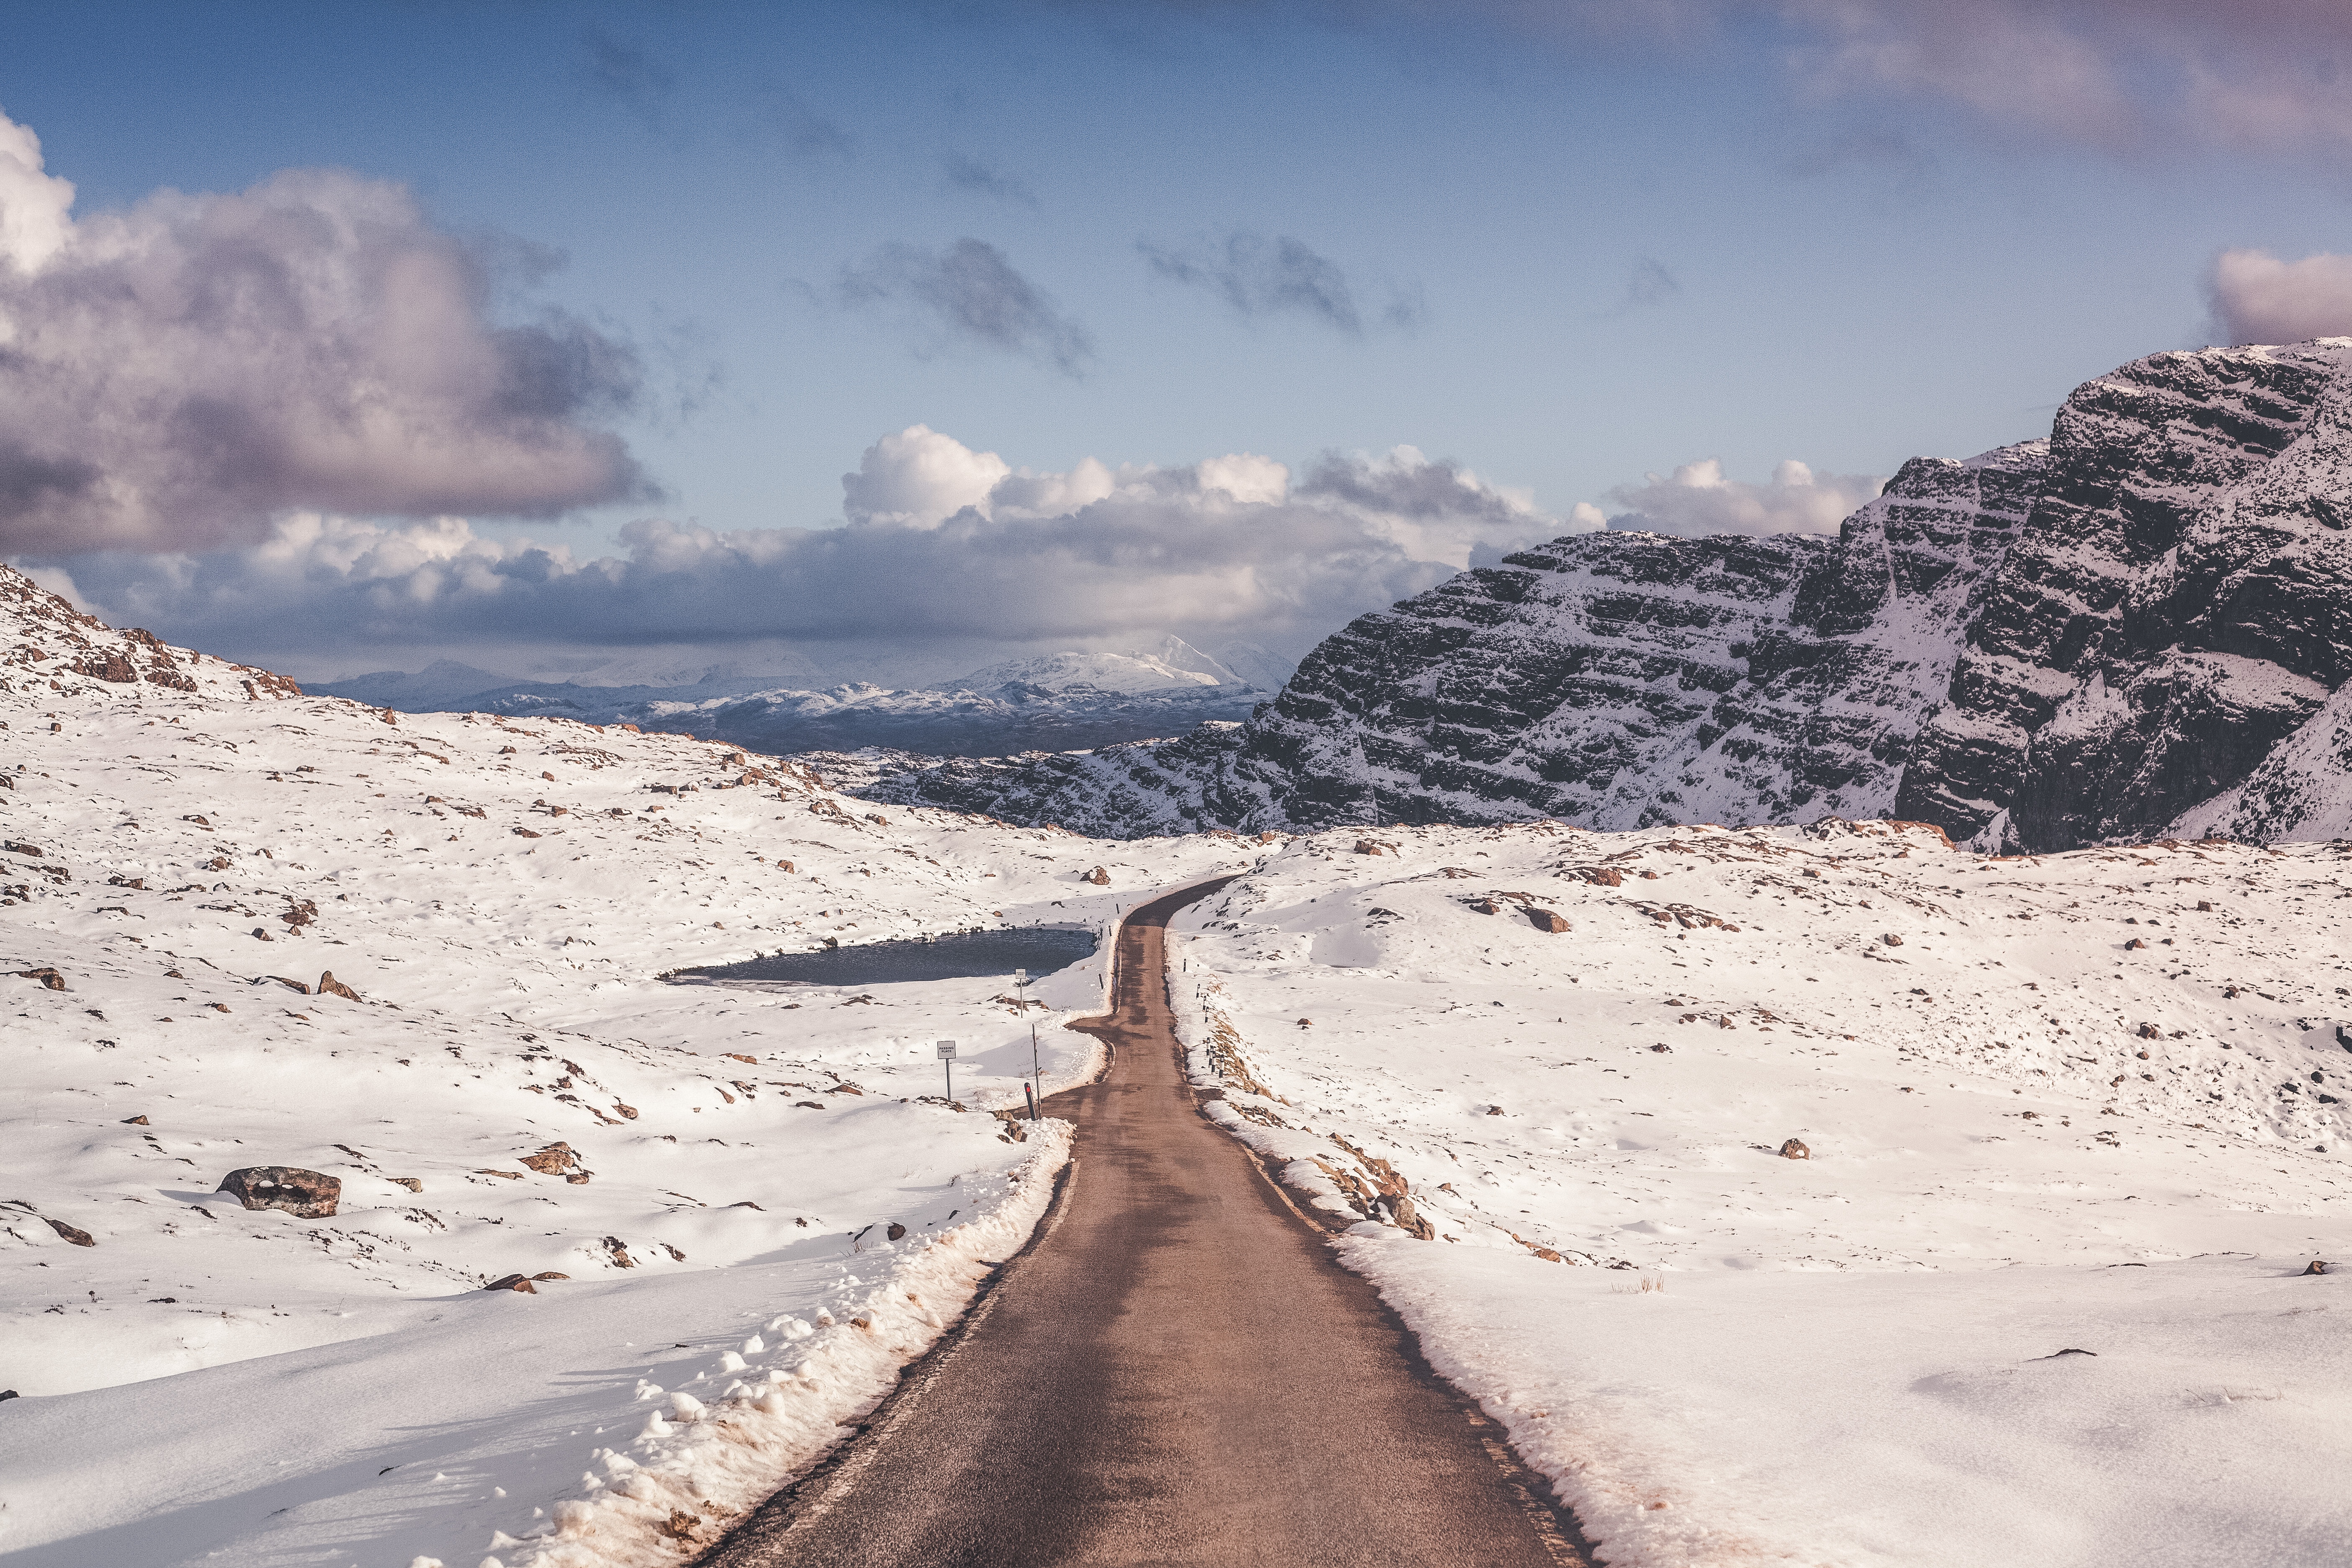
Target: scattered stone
(550,1274)
(2132,945)
(1795,1150)
(552,1160)
(524,833)
(1366,847)
(1494,1111)
(1598,875)
(1662,1047)
(1409,1218)
(305,1195)
(2205,904)
(895,1230)
(48,977)
(1544,920)
(10,1393)
(78,1236)
(2149,1032)
(513,1282)
(1098,876)
(1306,1022)
(674,1255)
(1891,939)
(411,1182)
(621,1258)
(2317,1265)
(134,1121)
(330,986)
(502,1175)
(290,984)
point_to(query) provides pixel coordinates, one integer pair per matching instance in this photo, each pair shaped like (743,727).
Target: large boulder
(305,1195)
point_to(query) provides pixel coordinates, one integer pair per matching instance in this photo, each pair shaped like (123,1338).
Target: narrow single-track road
(1176,1371)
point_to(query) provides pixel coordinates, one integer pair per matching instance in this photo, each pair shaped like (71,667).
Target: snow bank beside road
(2091,1101)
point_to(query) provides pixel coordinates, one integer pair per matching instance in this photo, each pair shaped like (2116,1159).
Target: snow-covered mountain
(1055,701)
(2109,634)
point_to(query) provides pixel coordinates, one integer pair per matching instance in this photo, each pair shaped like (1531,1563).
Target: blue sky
(1611,252)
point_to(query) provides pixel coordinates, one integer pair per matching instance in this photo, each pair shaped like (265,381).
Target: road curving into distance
(1174,1371)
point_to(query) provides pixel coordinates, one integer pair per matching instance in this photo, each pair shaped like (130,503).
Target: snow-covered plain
(2085,1102)
(2028,1136)
(205,1383)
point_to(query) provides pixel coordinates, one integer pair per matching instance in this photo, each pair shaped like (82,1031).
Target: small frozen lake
(1040,950)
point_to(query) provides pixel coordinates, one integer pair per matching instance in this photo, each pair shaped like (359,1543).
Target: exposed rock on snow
(305,1195)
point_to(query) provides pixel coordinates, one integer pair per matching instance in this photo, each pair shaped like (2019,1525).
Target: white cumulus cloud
(175,375)
(1698,499)
(2258,299)
(944,545)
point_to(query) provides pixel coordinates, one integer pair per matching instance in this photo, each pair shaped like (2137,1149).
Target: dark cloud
(1257,277)
(2258,299)
(954,548)
(966,174)
(968,295)
(176,374)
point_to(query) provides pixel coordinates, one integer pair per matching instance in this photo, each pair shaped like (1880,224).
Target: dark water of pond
(960,956)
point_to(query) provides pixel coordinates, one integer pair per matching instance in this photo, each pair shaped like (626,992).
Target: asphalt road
(1175,1371)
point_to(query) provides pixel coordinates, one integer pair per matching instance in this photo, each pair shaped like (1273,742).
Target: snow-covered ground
(203,1384)
(2028,1136)
(2089,1102)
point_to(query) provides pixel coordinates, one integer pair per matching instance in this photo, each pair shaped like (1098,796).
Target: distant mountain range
(2141,625)
(1048,703)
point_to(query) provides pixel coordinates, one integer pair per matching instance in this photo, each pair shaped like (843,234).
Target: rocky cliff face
(2126,629)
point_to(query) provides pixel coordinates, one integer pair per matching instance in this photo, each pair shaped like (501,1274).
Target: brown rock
(411,1182)
(1598,875)
(524,833)
(305,1195)
(291,984)
(1410,1219)
(47,977)
(552,1160)
(2134,943)
(578,1178)
(330,986)
(1098,876)
(2150,1032)
(299,914)
(134,1121)
(513,1282)
(79,1237)
(1891,939)
(1544,920)
(621,1258)
(1366,847)
(2206,904)
(13,847)
(550,1274)
(1794,1150)
(2317,1265)
(895,1230)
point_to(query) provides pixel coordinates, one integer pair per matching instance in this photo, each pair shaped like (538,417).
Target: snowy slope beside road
(190,844)
(2093,1101)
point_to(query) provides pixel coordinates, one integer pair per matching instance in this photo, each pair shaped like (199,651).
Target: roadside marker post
(946,1061)
(1032,1093)
(1036,1075)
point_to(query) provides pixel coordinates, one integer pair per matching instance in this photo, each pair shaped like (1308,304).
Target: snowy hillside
(2079,640)
(701,1179)
(2091,1102)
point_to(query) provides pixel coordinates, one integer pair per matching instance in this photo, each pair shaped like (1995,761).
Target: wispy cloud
(626,72)
(1257,277)
(1650,285)
(969,294)
(968,174)
(780,117)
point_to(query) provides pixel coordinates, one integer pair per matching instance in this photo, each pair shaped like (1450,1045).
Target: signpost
(946,1061)
(1036,1078)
